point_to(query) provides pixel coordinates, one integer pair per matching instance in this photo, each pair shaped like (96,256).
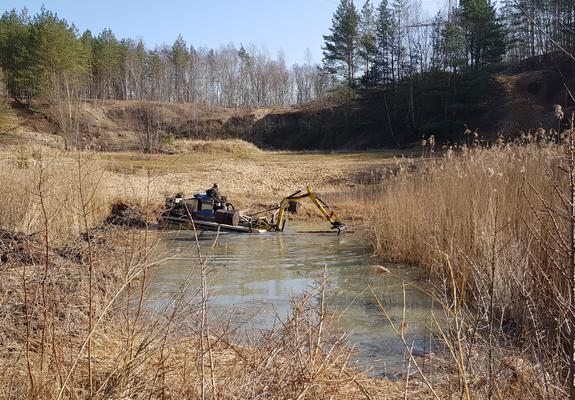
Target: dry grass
(72,325)
(252,179)
(445,214)
(492,225)
(236,147)
(39,185)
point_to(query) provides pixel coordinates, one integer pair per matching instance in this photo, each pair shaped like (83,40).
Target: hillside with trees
(44,53)
(443,76)
(389,75)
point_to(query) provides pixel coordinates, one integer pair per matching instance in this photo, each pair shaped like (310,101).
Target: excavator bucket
(340,226)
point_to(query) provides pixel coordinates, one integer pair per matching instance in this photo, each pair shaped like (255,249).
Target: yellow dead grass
(231,146)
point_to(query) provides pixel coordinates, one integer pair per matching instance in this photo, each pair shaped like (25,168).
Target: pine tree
(107,64)
(367,42)
(341,45)
(60,63)
(153,72)
(87,42)
(384,36)
(437,42)
(56,53)
(179,57)
(484,32)
(453,47)
(14,53)
(140,55)
(397,47)
(517,35)
(245,66)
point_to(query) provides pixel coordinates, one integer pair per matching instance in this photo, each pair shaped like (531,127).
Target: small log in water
(334,231)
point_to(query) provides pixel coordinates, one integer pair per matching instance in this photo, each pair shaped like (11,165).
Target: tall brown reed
(40,184)
(491,224)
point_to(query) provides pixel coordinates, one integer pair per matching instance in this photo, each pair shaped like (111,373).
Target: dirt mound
(125,214)
(232,146)
(529,100)
(523,107)
(132,125)
(16,247)
(21,126)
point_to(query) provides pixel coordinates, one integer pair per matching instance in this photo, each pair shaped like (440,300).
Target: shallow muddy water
(252,277)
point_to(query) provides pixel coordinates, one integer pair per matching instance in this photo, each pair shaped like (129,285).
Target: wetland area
(253,277)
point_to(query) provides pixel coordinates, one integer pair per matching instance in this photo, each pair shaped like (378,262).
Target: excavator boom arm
(300,195)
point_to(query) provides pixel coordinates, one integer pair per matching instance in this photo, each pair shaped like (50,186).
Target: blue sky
(290,26)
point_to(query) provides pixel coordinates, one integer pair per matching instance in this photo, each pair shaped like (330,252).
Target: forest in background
(389,76)
(392,41)
(44,56)
(491,224)
(439,76)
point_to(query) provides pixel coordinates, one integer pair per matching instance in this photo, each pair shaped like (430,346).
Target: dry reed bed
(50,192)
(493,225)
(452,204)
(42,185)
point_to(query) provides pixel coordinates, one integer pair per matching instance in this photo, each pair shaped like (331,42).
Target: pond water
(253,276)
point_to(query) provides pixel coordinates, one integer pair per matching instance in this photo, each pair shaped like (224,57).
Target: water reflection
(255,276)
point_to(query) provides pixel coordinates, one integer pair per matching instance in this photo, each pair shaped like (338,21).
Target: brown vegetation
(73,322)
(493,224)
(249,177)
(49,351)
(479,219)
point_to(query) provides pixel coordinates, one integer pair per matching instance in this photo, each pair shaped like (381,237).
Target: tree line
(380,44)
(44,56)
(385,43)
(436,71)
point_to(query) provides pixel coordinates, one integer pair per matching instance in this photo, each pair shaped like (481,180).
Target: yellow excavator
(200,211)
(291,204)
